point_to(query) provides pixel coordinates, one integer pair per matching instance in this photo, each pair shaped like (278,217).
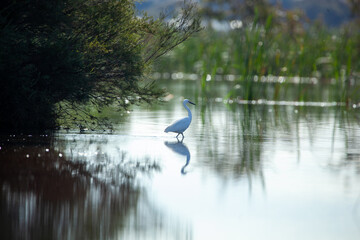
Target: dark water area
(244,170)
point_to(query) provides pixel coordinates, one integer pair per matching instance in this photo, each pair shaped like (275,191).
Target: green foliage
(273,46)
(38,64)
(61,62)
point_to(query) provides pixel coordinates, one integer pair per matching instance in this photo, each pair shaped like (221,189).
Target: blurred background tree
(62,62)
(247,10)
(355,8)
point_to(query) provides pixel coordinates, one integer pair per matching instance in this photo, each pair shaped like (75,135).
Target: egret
(179,126)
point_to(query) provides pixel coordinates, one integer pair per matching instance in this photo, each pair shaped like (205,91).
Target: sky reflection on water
(252,172)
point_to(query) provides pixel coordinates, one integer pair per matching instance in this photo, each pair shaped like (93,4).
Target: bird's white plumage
(179,126)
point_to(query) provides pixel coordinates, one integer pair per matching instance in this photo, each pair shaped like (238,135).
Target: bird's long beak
(192,103)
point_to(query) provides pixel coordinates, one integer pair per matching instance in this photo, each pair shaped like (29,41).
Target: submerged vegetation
(267,43)
(62,62)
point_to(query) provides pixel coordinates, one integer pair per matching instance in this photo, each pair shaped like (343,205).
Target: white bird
(179,126)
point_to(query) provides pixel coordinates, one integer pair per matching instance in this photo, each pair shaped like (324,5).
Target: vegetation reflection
(49,189)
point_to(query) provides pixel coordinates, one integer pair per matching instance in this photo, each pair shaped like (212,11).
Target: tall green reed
(255,51)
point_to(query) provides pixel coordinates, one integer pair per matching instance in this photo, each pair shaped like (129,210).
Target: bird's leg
(177,135)
(182,136)
(182,139)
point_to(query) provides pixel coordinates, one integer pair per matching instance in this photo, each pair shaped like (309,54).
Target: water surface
(250,171)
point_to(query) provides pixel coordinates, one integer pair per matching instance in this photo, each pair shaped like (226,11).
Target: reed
(331,57)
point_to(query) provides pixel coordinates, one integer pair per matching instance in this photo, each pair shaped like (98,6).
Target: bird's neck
(188,110)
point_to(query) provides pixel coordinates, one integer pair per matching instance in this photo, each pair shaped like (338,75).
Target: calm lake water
(243,171)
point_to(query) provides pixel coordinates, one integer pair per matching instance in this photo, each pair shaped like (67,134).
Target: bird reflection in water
(180,148)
